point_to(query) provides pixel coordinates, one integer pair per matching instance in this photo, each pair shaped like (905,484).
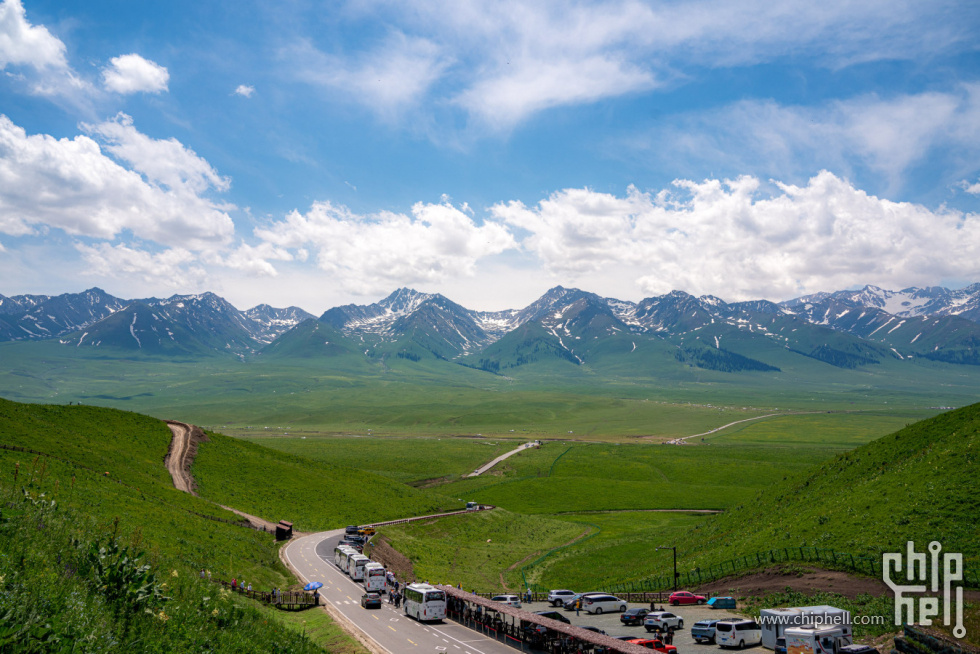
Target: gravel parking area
(609,622)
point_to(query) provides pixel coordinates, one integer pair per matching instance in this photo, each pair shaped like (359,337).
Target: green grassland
(314,495)
(916,484)
(352,394)
(483,551)
(42,546)
(409,460)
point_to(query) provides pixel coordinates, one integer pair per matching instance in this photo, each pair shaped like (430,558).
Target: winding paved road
(392,632)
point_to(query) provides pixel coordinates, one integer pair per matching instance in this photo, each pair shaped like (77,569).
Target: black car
(857,649)
(633,616)
(538,633)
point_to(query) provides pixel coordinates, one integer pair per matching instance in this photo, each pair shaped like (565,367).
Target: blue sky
(322,153)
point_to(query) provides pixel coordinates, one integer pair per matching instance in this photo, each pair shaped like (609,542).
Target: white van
(599,604)
(737,632)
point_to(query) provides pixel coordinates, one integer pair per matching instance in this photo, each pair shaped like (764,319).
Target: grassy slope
(312,495)
(916,484)
(136,502)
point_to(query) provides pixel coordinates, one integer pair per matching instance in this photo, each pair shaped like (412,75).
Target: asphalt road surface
(312,557)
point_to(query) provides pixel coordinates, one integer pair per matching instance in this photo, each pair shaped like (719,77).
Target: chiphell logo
(936,571)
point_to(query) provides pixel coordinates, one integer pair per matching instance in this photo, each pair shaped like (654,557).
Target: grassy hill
(75,480)
(916,484)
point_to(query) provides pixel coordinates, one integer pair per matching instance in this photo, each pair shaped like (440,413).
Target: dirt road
(180,456)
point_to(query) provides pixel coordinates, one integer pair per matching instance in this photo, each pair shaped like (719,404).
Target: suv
(662,620)
(705,630)
(509,600)
(558,597)
(737,632)
(598,604)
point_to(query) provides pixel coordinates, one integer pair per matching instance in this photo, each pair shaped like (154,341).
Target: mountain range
(845,329)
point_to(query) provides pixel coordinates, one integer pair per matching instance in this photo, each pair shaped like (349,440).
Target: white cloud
(173,268)
(132,73)
(371,254)
(972,189)
(166,162)
(721,238)
(388,80)
(887,135)
(245,90)
(502,61)
(24,44)
(70,184)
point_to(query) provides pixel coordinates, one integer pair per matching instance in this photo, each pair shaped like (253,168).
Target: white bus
(424,602)
(355,566)
(375,577)
(341,556)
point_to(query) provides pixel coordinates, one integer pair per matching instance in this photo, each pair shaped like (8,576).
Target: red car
(684,597)
(652,643)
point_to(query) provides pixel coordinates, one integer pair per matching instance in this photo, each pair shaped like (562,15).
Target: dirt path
(180,456)
(479,471)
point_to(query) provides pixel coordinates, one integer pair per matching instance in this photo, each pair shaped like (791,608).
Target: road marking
(412,642)
(392,628)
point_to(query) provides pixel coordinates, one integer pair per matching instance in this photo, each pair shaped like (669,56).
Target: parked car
(633,616)
(846,649)
(653,643)
(737,632)
(570,602)
(371,600)
(662,621)
(599,604)
(509,600)
(597,630)
(538,633)
(684,597)
(351,529)
(558,597)
(705,630)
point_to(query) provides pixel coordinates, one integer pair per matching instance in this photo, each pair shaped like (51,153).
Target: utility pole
(674,548)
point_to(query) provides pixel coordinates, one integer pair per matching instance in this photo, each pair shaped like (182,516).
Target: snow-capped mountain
(846,329)
(40,316)
(907,303)
(268,323)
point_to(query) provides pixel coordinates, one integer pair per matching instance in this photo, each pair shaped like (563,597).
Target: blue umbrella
(313,585)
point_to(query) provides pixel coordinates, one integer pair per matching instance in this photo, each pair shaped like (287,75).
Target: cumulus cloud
(164,161)
(245,90)
(723,238)
(132,73)
(70,184)
(371,254)
(23,44)
(170,268)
